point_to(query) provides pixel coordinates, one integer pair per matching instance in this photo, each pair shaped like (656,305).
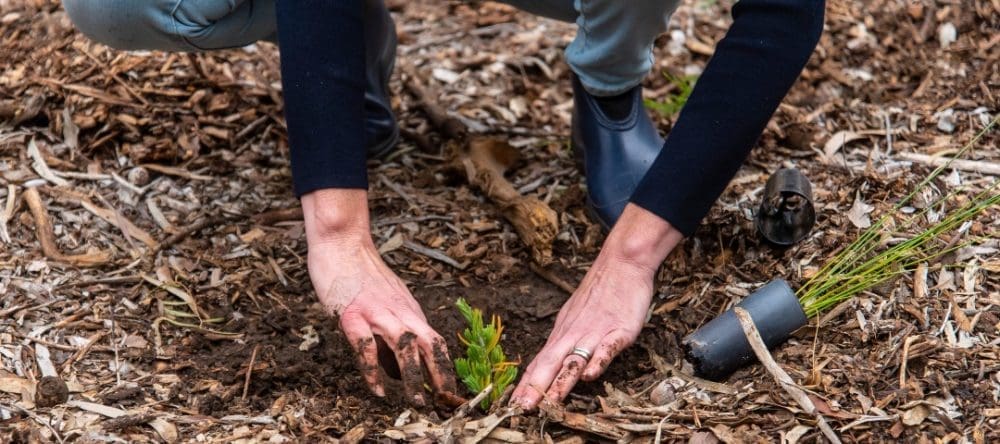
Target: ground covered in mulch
(149,258)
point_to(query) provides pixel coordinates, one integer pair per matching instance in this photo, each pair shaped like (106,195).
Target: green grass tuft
(673,103)
(871,260)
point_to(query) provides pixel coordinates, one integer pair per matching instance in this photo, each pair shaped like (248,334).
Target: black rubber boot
(615,153)
(381,130)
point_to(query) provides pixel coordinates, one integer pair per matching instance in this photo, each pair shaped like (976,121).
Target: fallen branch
(484,160)
(449,126)
(785,381)
(975,166)
(43,229)
(551,277)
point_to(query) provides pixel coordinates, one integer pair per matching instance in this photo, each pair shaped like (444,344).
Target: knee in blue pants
(613,48)
(173,25)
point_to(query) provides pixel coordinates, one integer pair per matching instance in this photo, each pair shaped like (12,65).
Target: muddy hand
(353,282)
(606,312)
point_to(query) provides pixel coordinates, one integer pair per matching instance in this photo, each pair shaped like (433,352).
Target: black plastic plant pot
(786,214)
(719,348)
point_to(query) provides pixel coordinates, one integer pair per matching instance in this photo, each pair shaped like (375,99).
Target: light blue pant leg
(174,25)
(611,53)
(613,48)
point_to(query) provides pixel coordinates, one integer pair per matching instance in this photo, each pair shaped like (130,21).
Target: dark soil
(526,303)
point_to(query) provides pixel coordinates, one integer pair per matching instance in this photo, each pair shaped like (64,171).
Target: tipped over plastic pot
(786,214)
(719,348)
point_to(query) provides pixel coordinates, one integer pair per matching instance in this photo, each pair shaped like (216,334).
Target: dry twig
(43,229)
(785,381)
(975,166)
(246,381)
(484,160)
(551,277)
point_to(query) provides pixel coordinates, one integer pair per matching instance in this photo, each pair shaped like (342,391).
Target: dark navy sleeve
(752,69)
(322,73)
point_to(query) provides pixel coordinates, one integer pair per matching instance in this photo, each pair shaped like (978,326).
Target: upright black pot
(719,348)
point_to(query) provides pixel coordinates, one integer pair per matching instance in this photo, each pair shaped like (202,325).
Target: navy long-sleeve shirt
(322,64)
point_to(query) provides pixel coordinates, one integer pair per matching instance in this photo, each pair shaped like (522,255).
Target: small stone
(51,391)
(663,393)
(138,176)
(947,34)
(946,120)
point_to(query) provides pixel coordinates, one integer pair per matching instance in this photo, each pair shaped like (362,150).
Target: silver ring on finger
(582,352)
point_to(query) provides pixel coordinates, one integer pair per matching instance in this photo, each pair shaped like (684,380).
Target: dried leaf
(71,132)
(858,214)
(40,167)
(115,218)
(136,341)
(392,244)
(969,276)
(166,430)
(836,142)
(795,434)
(703,437)
(21,386)
(180,293)
(920,281)
(43,357)
(100,409)
(916,415)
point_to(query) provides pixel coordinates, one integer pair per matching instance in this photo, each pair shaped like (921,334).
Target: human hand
(353,282)
(606,312)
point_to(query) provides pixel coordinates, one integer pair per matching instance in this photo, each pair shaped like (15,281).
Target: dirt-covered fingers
(609,348)
(407,351)
(569,374)
(360,336)
(434,351)
(573,365)
(405,344)
(540,374)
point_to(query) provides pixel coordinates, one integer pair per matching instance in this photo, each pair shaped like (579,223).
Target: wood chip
(40,167)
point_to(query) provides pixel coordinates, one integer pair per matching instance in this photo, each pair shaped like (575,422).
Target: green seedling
(673,103)
(484,362)
(878,256)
